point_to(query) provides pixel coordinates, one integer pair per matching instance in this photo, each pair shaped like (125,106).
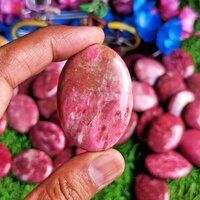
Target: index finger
(27,56)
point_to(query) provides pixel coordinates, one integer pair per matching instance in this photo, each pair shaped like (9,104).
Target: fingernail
(105,169)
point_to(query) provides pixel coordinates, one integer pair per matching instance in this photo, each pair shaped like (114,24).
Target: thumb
(81,177)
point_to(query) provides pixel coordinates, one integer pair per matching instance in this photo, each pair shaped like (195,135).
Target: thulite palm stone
(95,98)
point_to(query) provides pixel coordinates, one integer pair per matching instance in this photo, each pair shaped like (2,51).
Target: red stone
(146,120)
(178,102)
(190,146)
(45,85)
(55,118)
(148,70)
(25,87)
(179,63)
(56,66)
(168,165)
(47,107)
(130,61)
(168,85)
(150,188)
(32,166)
(80,151)
(3,123)
(48,137)
(95,98)
(130,129)
(191,114)
(5,160)
(165,133)
(62,157)
(22,113)
(144,96)
(193,83)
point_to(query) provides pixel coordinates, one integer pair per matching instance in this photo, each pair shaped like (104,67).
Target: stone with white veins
(179,101)
(95,98)
(191,114)
(22,113)
(168,85)
(148,187)
(145,120)
(165,133)
(48,137)
(45,85)
(130,129)
(144,96)
(193,83)
(148,70)
(62,157)
(168,165)
(190,146)
(32,166)
(180,63)
(5,160)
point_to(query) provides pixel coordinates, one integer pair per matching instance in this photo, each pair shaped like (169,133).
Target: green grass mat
(134,153)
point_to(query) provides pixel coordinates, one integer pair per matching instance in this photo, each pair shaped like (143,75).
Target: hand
(86,174)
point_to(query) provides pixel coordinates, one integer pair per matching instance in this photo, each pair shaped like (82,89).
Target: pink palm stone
(95,98)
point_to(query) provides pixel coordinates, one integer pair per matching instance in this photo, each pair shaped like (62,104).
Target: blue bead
(75,22)
(109,16)
(147,21)
(169,36)
(138,4)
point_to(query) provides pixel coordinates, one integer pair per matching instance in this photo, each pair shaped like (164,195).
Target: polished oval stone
(95,98)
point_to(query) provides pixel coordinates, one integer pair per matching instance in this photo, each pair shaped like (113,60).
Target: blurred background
(145,33)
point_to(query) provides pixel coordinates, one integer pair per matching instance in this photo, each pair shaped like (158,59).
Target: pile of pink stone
(166,113)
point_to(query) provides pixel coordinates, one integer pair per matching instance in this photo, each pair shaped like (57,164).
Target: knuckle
(68,190)
(22,62)
(4,73)
(50,39)
(52,43)
(13,61)
(73,187)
